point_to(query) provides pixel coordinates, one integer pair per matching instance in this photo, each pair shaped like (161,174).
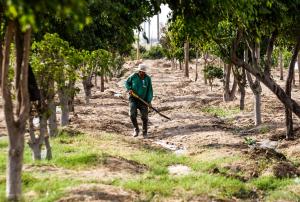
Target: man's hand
(130,92)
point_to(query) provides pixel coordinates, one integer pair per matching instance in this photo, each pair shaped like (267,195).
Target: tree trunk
(96,83)
(226,82)
(266,78)
(102,83)
(196,73)
(294,78)
(48,148)
(281,64)
(242,90)
(256,89)
(205,64)
(288,91)
(44,134)
(257,105)
(173,63)
(228,94)
(64,103)
(87,87)
(138,47)
(14,164)
(72,96)
(299,69)
(34,143)
(186,57)
(52,118)
(180,65)
(15,128)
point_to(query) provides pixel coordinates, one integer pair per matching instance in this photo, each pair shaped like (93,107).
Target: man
(140,84)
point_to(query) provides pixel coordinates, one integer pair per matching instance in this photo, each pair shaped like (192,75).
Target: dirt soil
(198,132)
(183,100)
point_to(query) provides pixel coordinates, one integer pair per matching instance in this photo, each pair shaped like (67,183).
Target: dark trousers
(134,105)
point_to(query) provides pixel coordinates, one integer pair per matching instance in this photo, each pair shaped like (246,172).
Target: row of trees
(89,30)
(248,36)
(57,67)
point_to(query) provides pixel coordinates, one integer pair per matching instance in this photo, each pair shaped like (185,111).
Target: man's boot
(136,127)
(145,127)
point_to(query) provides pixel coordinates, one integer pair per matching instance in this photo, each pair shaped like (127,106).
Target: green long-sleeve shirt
(141,87)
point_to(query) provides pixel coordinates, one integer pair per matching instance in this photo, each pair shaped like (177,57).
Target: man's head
(142,68)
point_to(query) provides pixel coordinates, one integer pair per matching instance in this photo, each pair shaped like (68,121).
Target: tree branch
(270,51)
(25,105)
(288,84)
(6,94)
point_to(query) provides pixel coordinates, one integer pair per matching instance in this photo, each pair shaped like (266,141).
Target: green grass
(283,195)
(198,184)
(3,154)
(220,111)
(82,152)
(270,183)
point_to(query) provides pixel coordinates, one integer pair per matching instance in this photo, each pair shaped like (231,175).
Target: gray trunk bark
(186,58)
(228,94)
(96,81)
(52,119)
(288,91)
(173,63)
(14,164)
(34,144)
(256,89)
(64,103)
(257,108)
(102,79)
(196,73)
(281,65)
(205,64)
(87,87)
(299,69)
(48,148)
(138,47)
(242,90)
(15,122)
(43,130)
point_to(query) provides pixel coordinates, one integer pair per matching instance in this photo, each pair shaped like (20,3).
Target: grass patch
(264,129)
(270,183)
(158,160)
(165,185)
(46,189)
(220,111)
(3,143)
(81,152)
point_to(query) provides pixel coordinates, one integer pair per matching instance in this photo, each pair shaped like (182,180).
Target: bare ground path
(186,102)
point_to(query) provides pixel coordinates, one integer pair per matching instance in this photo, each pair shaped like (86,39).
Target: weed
(219,111)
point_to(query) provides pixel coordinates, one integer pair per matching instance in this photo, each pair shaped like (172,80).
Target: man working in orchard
(140,84)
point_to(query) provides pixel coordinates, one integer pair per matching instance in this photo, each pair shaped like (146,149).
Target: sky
(163,18)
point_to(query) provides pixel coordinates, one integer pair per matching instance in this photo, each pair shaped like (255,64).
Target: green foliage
(52,61)
(212,72)
(117,65)
(155,52)
(30,13)
(249,141)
